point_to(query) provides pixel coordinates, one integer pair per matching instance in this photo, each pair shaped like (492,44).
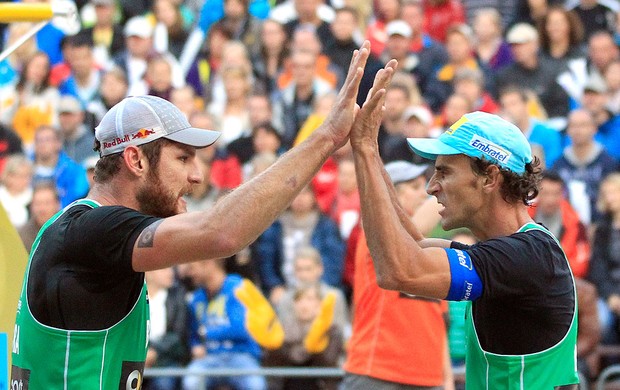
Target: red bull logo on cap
(142,133)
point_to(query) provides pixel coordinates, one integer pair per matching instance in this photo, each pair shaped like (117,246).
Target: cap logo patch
(142,133)
(490,149)
(456,125)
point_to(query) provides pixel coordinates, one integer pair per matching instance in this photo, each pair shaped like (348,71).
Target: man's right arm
(237,219)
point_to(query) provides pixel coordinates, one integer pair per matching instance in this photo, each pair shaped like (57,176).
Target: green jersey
(552,368)
(46,357)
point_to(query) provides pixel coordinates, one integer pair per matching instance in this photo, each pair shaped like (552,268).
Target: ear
(493,179)
(135,161)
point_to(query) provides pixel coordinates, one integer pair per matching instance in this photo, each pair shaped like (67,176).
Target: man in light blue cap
(522,310)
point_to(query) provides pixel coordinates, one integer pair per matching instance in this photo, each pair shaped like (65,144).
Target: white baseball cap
(139,26)
(138,120)
(402,171)
(398,27)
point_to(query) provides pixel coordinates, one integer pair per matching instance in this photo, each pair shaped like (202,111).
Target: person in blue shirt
(230,321)
(52,164)
(514,104)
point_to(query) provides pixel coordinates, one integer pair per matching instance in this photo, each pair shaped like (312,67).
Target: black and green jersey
(522,331)
(84,341)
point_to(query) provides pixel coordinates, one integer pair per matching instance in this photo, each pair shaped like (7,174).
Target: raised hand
(340,118)
(367,121)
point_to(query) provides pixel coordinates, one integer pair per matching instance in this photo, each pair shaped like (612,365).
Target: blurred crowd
(265,74)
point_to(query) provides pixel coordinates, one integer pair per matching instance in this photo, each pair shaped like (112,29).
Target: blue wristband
(465,284)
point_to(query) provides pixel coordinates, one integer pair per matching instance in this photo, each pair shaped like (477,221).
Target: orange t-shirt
(395,338)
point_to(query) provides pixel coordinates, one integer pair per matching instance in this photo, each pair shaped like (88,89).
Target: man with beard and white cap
(522,311)
(82,320)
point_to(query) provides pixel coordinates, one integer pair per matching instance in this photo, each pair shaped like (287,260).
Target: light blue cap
(479,135)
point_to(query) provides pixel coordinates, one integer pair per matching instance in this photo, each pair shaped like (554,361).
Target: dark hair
(38,89)
(80,39)
(516,188)
(108,166)
(575,33)
(268,127)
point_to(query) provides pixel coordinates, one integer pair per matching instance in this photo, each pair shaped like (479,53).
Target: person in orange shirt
(398,340)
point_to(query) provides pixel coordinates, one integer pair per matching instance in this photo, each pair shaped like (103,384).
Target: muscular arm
(238,219)
(400,262)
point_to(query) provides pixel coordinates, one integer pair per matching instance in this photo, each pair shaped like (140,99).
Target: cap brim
(199,138)
(430,148)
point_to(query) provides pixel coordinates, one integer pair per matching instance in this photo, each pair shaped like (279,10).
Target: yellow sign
(13,261)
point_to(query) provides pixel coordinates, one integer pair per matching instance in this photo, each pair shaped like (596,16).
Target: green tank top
(553,368)
(50,358)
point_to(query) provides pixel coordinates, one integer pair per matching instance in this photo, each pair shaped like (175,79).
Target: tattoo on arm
(145,240)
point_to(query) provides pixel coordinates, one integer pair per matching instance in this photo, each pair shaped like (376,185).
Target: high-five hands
(342,115)
(367,121)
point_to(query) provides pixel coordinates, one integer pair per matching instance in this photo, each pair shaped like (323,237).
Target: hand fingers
(380,78)
(358,63)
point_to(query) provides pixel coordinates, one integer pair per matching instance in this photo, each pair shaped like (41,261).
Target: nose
(196,174)
(433,186)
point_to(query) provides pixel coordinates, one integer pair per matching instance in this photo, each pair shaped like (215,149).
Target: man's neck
(583,151)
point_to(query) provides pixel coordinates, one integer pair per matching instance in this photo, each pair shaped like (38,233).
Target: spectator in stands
(398,97)
(440,15)
(584,164)
(169,327)
(308,268)
(514,102)
(431,55)
(44,204)
(231,116)
(470,83)
(340,50)
(158,79)
(595,99)
(491,49)
(346,208)
(605,264)
(507,10)
(596,15)
(553,210)
(602,51)
(589,328)
(384,13)
(106,33)
(302,225)
(533,72)
(230,321)
(612,79)
(382,328)
(185,99)
(138,33)
(456,106)
(52,164)
(16,189)
(269,60)
(112,90)
(561,36)
(85,74)
(169,35)
(10,143)
(292,105)
(307,14)
(460,48)
(311,339)
(244,26)
(78,138)
(35,102)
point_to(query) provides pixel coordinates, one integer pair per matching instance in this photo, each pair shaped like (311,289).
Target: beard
(155,200)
